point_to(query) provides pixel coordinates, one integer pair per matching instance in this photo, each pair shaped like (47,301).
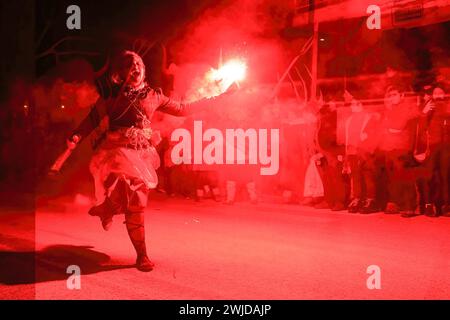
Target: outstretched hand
(232,89)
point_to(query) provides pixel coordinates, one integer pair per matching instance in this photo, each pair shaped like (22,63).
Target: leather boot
(136,231)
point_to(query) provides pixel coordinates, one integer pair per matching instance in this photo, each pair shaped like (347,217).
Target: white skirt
(113,156)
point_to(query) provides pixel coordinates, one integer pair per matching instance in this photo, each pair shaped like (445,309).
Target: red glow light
(232,71)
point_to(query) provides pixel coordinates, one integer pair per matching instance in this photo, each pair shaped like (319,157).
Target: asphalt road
(214,251)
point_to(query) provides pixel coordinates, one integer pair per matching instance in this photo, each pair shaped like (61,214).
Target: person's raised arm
(182,109)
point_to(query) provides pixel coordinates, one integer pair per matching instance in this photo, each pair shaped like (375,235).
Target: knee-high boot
(136,231)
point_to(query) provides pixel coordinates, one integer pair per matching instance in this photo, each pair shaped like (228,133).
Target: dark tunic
(127,149)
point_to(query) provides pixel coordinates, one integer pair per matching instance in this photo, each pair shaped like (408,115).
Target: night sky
(29,27)
(113,25)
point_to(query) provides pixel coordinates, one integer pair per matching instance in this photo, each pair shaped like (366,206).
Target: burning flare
(217,81)
(232,71)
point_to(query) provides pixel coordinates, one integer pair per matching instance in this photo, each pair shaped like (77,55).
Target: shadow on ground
(50,264)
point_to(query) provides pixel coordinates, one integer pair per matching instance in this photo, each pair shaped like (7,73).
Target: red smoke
(245,29)
(66,91)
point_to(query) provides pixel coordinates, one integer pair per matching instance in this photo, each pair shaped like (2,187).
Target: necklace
(134,96)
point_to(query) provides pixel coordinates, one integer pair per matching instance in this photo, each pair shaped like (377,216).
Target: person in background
(398,130)
(331,163)
(360,143)
(436,131)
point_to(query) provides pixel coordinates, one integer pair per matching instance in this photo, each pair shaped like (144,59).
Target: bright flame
(232,71)
(217,81)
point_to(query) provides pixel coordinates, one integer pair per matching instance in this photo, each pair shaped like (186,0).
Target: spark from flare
(217,81)
(232,71)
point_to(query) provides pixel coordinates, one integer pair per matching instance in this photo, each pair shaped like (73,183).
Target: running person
(124,166)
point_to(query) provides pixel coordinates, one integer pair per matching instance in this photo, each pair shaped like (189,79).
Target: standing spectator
(435,125)
(398,131)
(331,164)
(360,138)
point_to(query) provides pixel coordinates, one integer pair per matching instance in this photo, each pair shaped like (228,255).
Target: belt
(132,137)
